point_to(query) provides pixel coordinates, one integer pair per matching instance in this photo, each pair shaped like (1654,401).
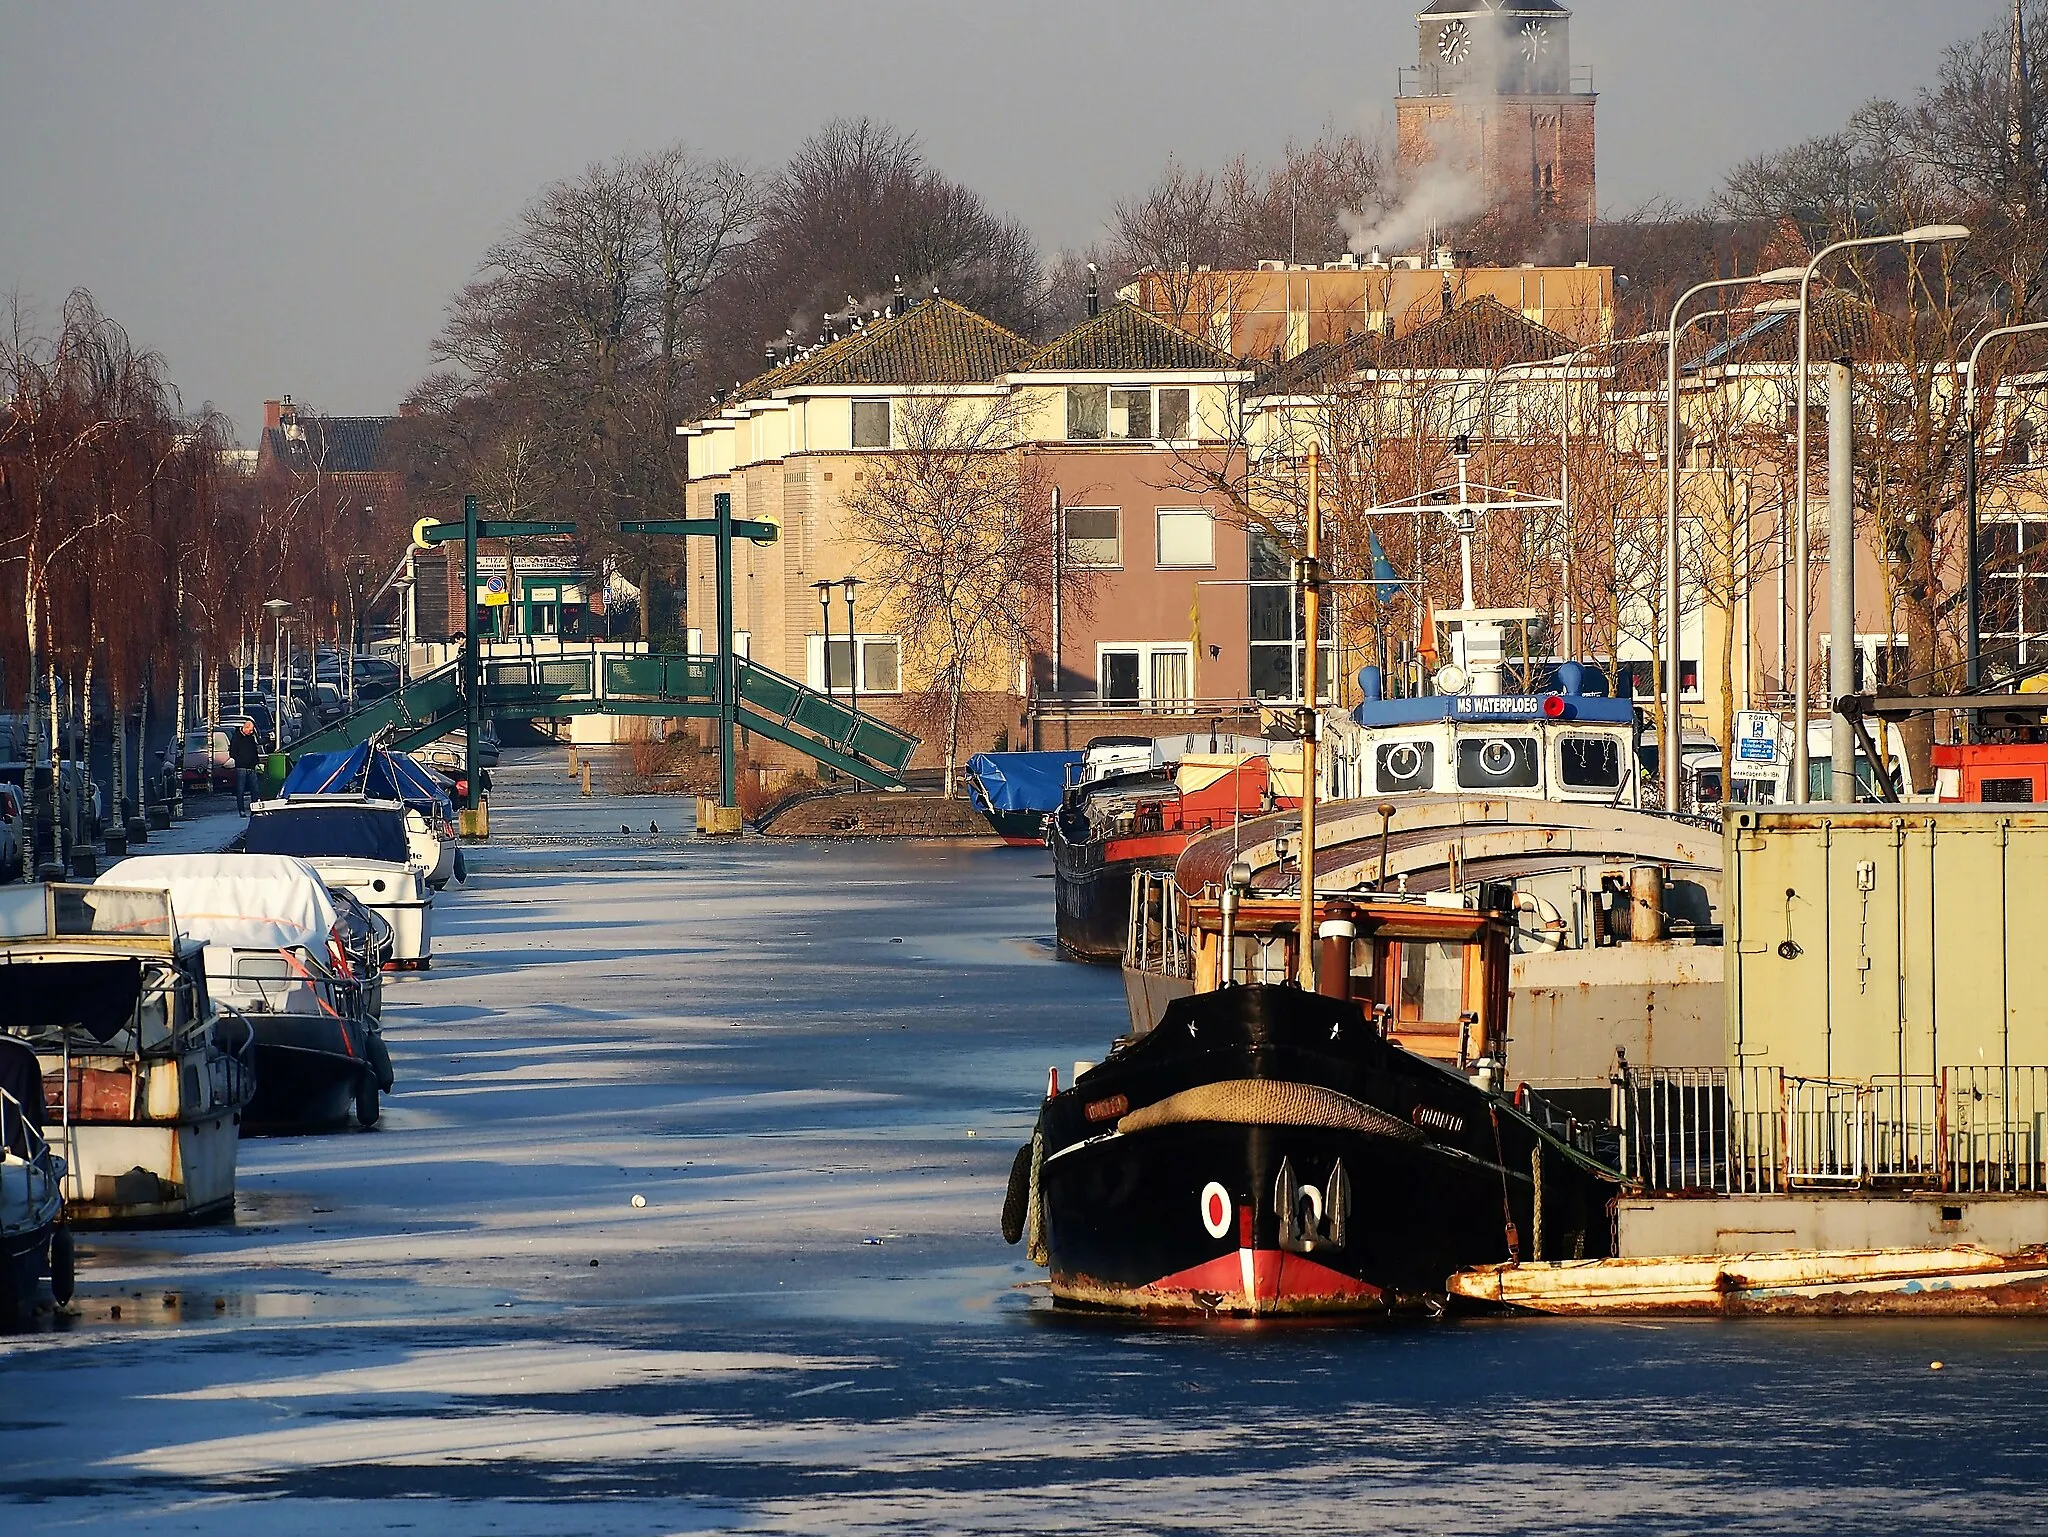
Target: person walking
(242,752)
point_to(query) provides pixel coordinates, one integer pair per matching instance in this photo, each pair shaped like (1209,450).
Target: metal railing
(1702,1128)
(1156,942)
(1758,1131)
(1053,705)
(1995,1124)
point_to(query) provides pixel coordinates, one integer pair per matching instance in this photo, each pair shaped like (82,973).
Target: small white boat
(365,846)
(144,1077)
(278,951)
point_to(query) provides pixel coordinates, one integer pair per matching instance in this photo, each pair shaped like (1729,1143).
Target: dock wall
(1652,1226)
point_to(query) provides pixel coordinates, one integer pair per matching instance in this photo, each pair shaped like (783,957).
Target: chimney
(1450,299)
(899,301)
(1094,293)
(273,414)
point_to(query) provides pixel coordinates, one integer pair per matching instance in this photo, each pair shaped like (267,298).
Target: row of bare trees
(134,555)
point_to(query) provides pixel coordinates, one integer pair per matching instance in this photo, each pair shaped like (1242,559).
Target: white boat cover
(237,901)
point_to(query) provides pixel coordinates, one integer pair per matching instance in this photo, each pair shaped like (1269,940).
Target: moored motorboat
(363,845)
(1124,823)
(1019,791)
(376,773)
(144,1076)
(278,951)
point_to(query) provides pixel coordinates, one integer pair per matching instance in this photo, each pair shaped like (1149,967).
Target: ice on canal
(812,1064)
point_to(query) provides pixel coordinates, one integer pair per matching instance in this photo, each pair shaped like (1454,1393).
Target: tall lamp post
(852,644)
(1925,234)
(277,608)
(1973,674)
(824,591)
(1671,736)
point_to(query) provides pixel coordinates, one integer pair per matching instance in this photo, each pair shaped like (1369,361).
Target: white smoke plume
(1438,198)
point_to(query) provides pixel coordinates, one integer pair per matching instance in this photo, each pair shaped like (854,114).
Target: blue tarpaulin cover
(1022,781)
(374,772)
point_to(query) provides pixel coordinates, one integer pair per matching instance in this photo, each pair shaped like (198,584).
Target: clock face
(1535,40)
(1454,43)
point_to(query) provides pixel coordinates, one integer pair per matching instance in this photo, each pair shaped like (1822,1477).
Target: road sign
(1760,745)
(497,592)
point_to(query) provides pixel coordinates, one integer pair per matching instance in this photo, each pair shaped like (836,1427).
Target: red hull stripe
(1277,1276)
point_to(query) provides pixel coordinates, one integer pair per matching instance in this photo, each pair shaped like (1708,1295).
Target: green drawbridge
(669,687)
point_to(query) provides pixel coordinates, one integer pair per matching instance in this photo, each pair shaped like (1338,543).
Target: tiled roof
(1482,333)
(333,445)
(1835,326)
(1124,338)
(1321,367)
(938,342)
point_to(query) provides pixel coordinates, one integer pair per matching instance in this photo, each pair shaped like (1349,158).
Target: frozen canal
(814,1063)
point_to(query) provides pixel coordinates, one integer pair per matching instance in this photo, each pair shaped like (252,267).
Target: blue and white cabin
(1560,736)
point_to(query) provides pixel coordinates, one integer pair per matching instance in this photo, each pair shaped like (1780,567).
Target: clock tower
(1493,95)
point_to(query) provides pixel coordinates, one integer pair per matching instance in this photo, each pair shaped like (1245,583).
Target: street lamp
(1671,745)
(1973,674)
(277,609)
(824,591)
(1925,234)
(852,644)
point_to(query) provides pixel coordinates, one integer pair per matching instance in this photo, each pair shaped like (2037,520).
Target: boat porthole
(376,885)
(1215,1209)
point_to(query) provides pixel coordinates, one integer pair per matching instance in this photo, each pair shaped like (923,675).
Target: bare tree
(957,542)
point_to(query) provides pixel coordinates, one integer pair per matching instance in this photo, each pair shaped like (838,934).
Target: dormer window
(1132,414)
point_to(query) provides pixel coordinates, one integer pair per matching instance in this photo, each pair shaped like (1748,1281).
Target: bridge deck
(670,687)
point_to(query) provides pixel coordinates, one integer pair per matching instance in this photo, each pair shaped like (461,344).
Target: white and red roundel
(1215,1209)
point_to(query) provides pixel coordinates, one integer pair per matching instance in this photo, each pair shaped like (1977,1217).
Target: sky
(280,198)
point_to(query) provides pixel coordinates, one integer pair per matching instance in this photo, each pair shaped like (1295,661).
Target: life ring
(1215,1209)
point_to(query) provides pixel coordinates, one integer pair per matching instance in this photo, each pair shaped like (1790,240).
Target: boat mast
(1312,617)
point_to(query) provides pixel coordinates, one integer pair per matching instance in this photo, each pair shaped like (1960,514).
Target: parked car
(204,764)
(326,702)
(13,828)
(80,802)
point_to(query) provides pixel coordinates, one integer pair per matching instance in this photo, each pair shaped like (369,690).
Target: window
(831,668)
(881,665)
(1131,413)
(871,424)
(1119,677)
(693,642)
(1145,673)
(838,665)
(1404,766)
(1170,666)
(1589,763)
(1186,538)
(1087,411)
(1497,763)
(1277,628)
(1093,537)
(1173,414)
